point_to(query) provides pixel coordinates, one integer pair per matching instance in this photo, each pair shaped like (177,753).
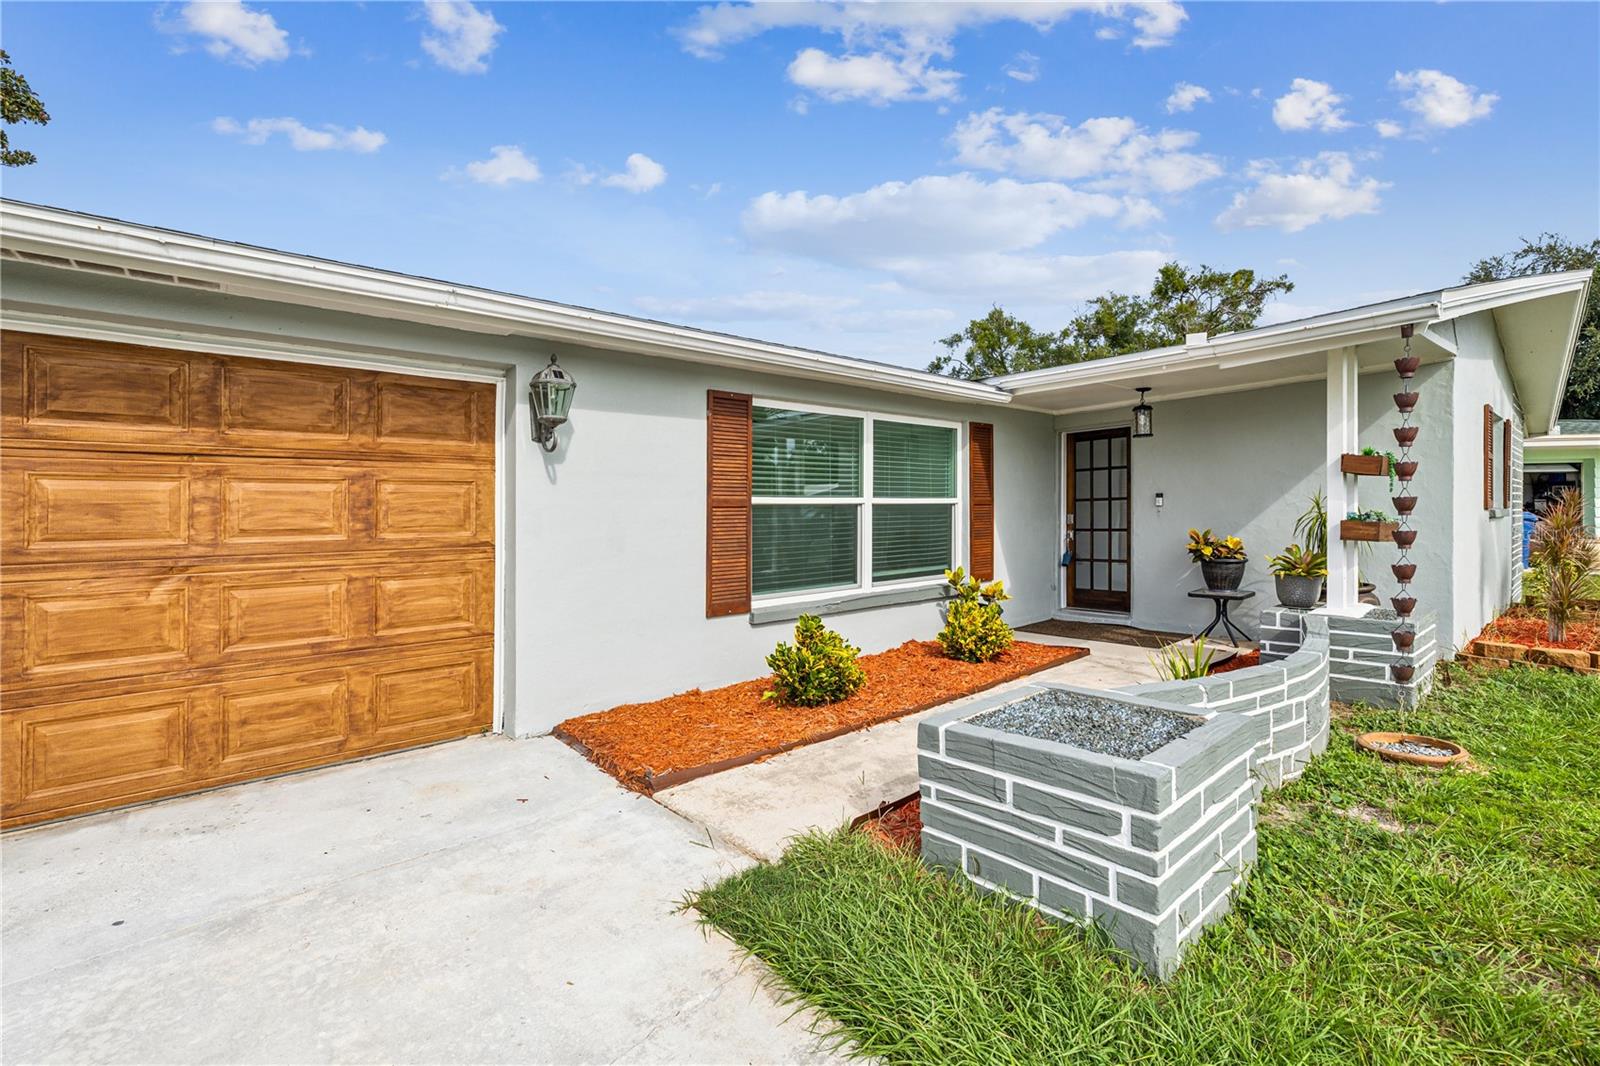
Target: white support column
(1343,432)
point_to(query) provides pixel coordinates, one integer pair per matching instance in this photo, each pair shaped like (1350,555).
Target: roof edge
(266,273)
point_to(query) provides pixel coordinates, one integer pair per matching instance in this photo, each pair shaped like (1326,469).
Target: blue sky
(858,178)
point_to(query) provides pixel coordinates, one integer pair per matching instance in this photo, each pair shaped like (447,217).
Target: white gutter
(247,270)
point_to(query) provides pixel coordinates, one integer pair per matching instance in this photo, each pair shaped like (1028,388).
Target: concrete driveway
(483,901)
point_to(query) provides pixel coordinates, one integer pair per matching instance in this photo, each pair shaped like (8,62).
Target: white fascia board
(267,274)
(1559,441)
(1487,295)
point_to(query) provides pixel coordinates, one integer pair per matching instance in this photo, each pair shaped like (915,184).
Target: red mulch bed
(648,746)
(1533,632)
(900,827)
(1238,662)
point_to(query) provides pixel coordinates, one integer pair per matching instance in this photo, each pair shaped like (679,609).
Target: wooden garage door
(214,568)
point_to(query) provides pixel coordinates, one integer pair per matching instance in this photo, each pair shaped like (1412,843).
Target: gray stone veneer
(1359,651)
(1290,694)
(1149,849)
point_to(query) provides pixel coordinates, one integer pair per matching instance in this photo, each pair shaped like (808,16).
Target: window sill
(1499,512)
(841,603)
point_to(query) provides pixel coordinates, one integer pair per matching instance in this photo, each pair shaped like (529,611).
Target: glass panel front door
(1098,520)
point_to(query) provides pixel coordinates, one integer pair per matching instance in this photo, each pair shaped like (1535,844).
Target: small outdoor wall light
(550,392)
(1143,423)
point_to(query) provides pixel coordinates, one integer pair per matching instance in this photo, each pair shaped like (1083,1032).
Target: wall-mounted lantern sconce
(550,392)
(1143,422)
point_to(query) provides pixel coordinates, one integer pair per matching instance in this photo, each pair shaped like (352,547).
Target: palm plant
(1566,557)
(1312,525)
(1175,662)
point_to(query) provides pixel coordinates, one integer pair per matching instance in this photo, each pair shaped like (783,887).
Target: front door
(1098,523)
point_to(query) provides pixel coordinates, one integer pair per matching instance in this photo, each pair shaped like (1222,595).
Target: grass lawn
(1397,915)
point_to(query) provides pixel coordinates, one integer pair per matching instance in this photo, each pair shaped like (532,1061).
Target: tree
(17,104)
(997,344)
(1548,253)
(1181,302)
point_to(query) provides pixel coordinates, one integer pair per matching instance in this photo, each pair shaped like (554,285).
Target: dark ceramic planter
(1403,504)
(1403,571)
(1403,605)
(1297,590)
(1406,436)
(1402,672)
(1406,469)
(1404,538)
(1406,366)
(1222,575)
(1406,402)
(1403,638)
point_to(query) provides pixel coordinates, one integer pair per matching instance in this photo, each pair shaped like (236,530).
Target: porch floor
(758,808)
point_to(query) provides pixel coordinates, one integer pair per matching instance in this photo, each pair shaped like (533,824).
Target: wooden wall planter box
(1364,465)
(1351,529)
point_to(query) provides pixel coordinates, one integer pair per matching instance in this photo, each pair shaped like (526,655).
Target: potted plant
(1298,573)
(1366,526)
(1221,559)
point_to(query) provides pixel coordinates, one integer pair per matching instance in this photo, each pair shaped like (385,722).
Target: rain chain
(1405,436)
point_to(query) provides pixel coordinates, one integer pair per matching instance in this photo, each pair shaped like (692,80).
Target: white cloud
(1309,105)
(955,234)
(461,36)
(302,138)
(890,48)
(758,304)
(1319,189)
(642,174)
(1440,101)
(507,165)
(1116,152)
(1185,96)
(927,216)
(234,32)
(1388,129)
(1024,68)
(877,77)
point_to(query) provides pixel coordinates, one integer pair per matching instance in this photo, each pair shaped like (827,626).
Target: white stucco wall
(603,551)
(1246,463)
(1486,546)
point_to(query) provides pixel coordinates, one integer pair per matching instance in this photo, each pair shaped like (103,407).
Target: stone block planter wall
(1290,694)
(1149,849)
(1360,652)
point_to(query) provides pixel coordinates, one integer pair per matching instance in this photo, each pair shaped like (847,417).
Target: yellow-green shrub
(818,668)
(973,629)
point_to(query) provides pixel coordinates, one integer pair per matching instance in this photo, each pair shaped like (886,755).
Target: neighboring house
(1566,457)
(265,511)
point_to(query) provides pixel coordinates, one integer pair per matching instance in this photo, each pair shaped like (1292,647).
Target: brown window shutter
(728,451)
(1505,466)
(980,498)
(1488,457)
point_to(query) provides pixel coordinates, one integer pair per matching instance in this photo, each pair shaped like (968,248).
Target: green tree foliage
(1181,302)
(1548,253)
(17,104)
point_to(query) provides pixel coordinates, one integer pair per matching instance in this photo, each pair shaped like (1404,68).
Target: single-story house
(1566,457)
(265,511)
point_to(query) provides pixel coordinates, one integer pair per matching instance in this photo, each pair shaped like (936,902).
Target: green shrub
(818,668)
(973,630)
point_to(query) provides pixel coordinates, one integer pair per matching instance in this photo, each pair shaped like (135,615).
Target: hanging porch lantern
(1143,421)
(550,393)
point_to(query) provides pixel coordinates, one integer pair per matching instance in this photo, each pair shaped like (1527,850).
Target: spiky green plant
(1566,556)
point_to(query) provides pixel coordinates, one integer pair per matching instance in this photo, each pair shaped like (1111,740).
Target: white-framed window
(846,501)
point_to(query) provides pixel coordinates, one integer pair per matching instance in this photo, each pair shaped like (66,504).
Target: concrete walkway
(481,901)
(758,808)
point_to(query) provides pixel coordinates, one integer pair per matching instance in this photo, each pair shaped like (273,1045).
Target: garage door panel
(89,393)
(63,631)
(281,721)
(266,614)
(219,568)
(107,509)
(99,750)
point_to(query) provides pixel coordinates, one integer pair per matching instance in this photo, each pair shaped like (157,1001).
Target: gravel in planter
(1100,725)
(1411,747)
